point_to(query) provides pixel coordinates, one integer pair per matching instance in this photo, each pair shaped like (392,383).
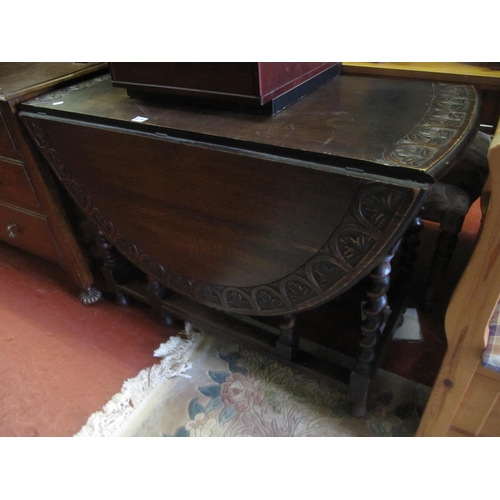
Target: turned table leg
(411,241)
(371,326)
(287,345)
(156,292)
(401,287)
(109,268)
(374,308)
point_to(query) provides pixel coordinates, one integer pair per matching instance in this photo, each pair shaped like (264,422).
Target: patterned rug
(208,387)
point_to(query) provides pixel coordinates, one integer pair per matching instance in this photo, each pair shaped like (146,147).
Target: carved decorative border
(59,94)
(446,114)
(371,220)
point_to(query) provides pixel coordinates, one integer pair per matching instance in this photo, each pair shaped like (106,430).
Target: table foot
(90,296)
(121,299)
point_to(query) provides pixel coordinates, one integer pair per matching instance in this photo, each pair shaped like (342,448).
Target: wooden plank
(480,75)
(468,315)
(476,406)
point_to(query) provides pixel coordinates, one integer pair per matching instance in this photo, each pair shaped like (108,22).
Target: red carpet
(61,361)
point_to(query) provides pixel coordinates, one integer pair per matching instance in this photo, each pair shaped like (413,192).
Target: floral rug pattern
(235,392)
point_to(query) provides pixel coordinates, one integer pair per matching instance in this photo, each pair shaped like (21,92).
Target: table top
(386,127)
(21,78)
(482,75)
(247,213)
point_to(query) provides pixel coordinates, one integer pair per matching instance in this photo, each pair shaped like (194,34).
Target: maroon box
(264,87)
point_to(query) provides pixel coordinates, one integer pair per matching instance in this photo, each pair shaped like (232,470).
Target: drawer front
(7,145)
(16,187)
(28,231)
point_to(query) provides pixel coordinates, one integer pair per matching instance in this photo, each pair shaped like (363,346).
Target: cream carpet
(208,387)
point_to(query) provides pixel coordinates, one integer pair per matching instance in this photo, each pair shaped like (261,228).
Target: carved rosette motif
(299,290)
(236,299)
(442,121)
(268,299)
(325,272)
(378,206)
(369,223)
(208,294)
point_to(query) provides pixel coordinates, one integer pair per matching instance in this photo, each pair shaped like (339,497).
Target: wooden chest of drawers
(15,186)
(31,213)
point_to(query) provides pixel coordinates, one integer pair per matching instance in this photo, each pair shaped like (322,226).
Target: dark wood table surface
(257,216)
(485,77)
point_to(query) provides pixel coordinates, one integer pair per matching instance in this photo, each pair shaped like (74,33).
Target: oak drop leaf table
(240,223)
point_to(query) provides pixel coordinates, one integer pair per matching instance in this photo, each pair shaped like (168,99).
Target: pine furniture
(465,399)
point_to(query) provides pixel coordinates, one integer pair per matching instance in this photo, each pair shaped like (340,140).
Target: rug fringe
(175,353)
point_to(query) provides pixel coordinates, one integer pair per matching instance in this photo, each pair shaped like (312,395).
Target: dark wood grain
(254,216)
(31,211)
(196,206)
(28,79)
(240,233)
(8,147)
(16,187)
(392,128)
(29,231)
